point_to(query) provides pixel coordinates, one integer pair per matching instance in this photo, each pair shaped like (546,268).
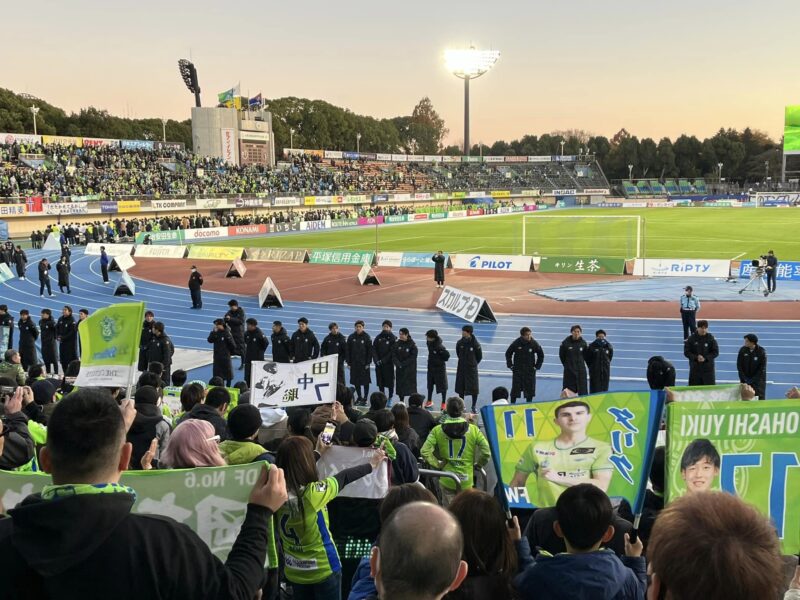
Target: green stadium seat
(671,186)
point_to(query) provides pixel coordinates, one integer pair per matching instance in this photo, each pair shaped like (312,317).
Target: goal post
(617,236)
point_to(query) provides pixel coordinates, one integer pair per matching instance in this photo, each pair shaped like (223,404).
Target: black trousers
(197,298)
(45,283)
(104,271)
(771,281)
(689,322)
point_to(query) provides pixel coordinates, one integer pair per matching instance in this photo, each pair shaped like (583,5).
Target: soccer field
(724,233)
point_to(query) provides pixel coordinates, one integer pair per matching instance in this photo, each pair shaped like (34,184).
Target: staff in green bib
(312,562)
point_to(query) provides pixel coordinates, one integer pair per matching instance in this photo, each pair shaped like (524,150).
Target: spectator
(585,517)
(689,560)
(419,418)
(457,446)
(213,411)
(148,425)
(405,564)
(377,401)
(404,464)
(312,562)
(44,396)
(18,449)
(192,394)
(192,444)
(179,378)
(11,368)
(363,585)
(299,423)
(500,395)
(402,428)
(244,422)
(653,498)
(72,542)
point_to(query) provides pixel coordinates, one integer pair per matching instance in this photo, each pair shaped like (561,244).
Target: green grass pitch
(724,233)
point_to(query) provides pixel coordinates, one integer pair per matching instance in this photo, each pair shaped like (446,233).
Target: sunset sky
(656,68)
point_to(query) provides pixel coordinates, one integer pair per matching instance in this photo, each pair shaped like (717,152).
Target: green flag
(110,345)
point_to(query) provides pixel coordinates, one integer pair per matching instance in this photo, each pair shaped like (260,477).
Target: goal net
(579,235)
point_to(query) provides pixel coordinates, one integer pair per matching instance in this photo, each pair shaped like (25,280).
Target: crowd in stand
(79,538)
(54,171)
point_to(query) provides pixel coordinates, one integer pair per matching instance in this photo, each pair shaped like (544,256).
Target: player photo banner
(306,383)
(749,449)
(540,449)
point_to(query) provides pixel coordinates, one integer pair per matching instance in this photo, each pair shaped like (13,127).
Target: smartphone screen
(327,433)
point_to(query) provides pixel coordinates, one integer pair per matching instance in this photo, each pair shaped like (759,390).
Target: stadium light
(562,147)
(35,110)
(291,138)
(720,172)
(189,76)
(358,142)
(630,171)
(469,64)
(163,130)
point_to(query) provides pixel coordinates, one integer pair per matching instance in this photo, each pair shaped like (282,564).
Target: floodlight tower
(189,76)
(469,64)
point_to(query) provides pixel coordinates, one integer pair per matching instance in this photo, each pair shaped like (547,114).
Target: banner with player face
(541,449)
(751,449)
(310,382)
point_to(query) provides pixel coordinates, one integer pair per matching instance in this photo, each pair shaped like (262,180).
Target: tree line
(746,156)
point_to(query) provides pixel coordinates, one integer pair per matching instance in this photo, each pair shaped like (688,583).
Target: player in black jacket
(28,334)
(382,351)
(599,355)
(144,339)
(255,344)
(752,365)
(438,356)
(160,349)
(572,355)
(524,357)
(335,343)
(67,335)
(47,326)
(701,349)
(235,319)
(224,347)
(304,343)
(281,344)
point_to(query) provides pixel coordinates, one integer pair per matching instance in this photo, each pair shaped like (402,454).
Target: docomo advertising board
(209,233)
(467,306)
(492,262)
(680,267)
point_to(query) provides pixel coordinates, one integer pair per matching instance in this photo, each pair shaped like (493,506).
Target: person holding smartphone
(17,450)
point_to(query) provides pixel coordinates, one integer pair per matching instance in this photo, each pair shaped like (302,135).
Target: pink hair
(189,446)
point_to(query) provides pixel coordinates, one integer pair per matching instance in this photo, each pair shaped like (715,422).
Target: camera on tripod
(759,266)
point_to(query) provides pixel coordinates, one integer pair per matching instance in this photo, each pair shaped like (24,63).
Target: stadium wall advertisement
(787,271)
(66,208)
(235,230)
(315,225)
(167,204)
(214,252)
(211,203)
(756,445)
(208,233)
(492,262)
(162,251)
(341,257)
(593,265)
(465,305)
(370,220)
(420,260)
(680,267)
(111,249)
(277,255)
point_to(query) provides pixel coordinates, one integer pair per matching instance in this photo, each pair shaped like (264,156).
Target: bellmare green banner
(750,449)
(791,130)
(341,257)
(110,345)
(211,501)
(594,265)
(542,448)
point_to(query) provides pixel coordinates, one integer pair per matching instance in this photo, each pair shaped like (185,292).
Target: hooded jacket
(93,546)
(149,423)
(591,576)
(456,446)
(242,453)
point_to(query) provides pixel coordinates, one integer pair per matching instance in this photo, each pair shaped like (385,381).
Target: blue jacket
(592,576)
(363,585)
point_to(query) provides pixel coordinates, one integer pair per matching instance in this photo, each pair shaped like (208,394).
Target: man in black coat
(255,345)
(384,367)
(160,349)
(437,366)
(224,347)
(404,357)
(524,357)
(44,278)
(281,344)
(771,271)
(67,336)
(751,364)
(571,353)
(21,261)
(195,286)
(235,319)
(63,269)
(598,356)
(28,334)
(6,320)
(359,357)
(144,339)
(304,343)
(660,373)
(66,254)
(438,268)
(47,326)
(701,349)
(79,545)
(335,343)
(470,354)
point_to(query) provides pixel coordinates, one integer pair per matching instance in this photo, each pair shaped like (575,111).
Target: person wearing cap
(255,345)
(359,357)
(524,357)
(235,319)
(195,286)
(384,367)
(470,354)
(690,305)
(752,365)
(104,264)
(702,350)
(404,357)
(598,357)
(335,343)
(281,344)
(244,422)
(224,346)
(304,343)
(438,356)
(148,425)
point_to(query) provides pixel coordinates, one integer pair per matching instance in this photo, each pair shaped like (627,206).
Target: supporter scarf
(55,492)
